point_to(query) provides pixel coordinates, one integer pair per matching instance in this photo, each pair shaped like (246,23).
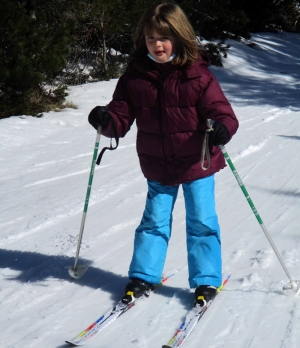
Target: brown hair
(168,19)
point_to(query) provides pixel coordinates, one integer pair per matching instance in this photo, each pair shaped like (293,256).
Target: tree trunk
(104,59)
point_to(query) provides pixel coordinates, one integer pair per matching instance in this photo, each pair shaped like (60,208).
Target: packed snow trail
(44,174)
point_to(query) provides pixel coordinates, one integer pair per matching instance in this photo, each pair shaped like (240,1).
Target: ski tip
(165,346)
(72,343)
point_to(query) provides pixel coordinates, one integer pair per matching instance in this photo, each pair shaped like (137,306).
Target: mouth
(159,53)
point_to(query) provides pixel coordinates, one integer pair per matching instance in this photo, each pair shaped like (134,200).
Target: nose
(157,42)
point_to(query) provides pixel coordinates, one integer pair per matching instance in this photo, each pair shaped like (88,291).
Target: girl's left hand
(220,134)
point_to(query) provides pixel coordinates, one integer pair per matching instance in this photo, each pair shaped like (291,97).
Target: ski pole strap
(205,145)
(115,135)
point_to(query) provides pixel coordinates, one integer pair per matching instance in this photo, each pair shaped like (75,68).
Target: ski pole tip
(77,272)
(296,287)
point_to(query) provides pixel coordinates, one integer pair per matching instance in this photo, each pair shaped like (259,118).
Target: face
(160,47)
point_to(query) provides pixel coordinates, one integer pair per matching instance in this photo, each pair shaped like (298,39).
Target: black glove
(99,117)
(220,134)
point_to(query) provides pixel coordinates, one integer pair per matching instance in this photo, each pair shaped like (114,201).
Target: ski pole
(255,212)
(76,271)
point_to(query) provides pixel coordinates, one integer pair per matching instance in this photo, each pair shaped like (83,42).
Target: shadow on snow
(36,267)
(278,85)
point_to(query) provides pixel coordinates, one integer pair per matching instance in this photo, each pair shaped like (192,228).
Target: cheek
(147,45)
(170,47)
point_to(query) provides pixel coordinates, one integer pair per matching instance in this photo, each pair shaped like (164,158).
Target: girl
(170,93)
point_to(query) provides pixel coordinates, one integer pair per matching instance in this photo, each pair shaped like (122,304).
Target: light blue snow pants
(202,233)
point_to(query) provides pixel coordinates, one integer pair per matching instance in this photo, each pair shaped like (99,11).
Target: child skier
(170,93)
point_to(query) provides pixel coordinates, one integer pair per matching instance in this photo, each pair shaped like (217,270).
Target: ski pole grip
(205,145)
(210,123)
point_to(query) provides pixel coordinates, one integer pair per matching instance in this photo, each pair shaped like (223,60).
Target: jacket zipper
(162,81)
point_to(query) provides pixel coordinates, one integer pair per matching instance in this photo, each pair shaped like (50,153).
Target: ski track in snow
(61,177)
(98,196)
(44,179)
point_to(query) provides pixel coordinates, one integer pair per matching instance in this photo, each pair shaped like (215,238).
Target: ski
(191,319)
(107,318)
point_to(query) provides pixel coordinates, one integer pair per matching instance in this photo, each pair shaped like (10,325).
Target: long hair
(168,19)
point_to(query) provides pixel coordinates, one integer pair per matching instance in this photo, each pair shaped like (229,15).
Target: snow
(44,175)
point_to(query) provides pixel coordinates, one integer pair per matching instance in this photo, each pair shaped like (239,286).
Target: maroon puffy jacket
(170,105)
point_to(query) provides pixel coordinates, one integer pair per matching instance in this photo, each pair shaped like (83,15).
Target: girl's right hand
(99,117)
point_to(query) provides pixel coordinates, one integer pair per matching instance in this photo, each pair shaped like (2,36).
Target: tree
(216,19)
(102,27)
(32,49)
(270,15)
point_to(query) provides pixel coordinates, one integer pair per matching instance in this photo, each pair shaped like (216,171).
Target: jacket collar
(169,60)
(155,70)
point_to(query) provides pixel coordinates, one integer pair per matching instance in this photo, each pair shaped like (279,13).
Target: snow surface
(44,175)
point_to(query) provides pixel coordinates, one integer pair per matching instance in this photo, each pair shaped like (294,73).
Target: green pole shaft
(255,212)
(91,177)
(242,186)
(88,193)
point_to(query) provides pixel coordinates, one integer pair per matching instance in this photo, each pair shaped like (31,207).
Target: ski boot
(136,288)
(203,294)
